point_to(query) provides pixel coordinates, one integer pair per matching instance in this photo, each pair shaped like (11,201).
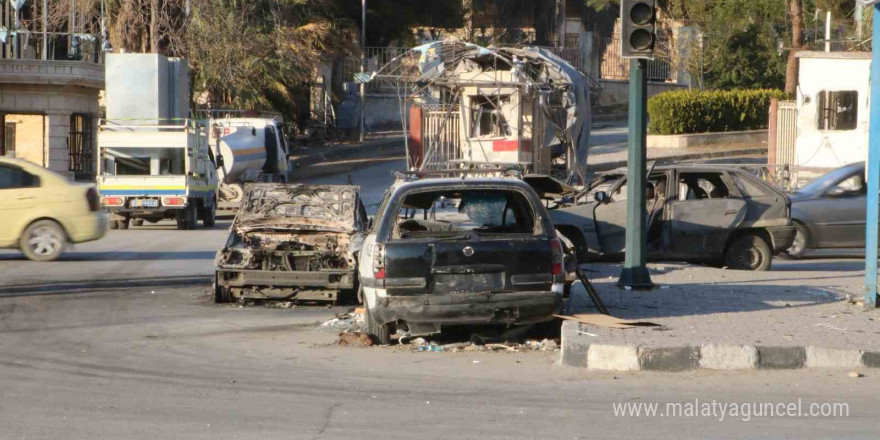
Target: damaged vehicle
(454,252)
(703,213)
(292,242)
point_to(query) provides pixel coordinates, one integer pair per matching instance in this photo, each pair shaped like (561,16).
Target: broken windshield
(456,213)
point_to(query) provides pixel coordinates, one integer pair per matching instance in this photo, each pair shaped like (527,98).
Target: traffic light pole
(635,272)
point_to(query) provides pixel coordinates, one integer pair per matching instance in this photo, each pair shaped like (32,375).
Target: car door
(18,196)
(610,219)
(703,214)
(842,221)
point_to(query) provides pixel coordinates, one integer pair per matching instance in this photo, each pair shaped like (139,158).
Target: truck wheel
(137,222)
(123,224)
(43,240)
(748,252)
(186,219)
(378,331)
(209,215)
(113,225)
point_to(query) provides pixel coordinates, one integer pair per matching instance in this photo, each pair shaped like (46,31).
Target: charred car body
(292,242)
(447,252)
(721,215)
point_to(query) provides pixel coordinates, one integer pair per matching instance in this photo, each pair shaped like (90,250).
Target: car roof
(34,168)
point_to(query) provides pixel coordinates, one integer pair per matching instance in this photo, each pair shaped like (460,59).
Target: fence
(615,67)
(24,45)
(786,132)
(440,136)
(376,58)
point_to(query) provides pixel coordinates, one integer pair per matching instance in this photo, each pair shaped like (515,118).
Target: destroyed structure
(469,107)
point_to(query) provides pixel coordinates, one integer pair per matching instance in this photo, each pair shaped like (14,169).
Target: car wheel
(137,222)
(748,252)
(222,294)
(43,241)
(378,331)
(799,248)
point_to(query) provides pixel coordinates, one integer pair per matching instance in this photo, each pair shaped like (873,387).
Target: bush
(690,111)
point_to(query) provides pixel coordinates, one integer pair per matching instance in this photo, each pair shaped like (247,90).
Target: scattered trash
(345,322)
(664,287)
(606,321)
(855,374)
(355,339)
(627,288)
(283,305)
(822,324)
(476,362)
(581,332)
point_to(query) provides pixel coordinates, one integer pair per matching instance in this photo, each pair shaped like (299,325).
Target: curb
(608,357)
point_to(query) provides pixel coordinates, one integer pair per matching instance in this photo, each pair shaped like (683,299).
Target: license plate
(144,203)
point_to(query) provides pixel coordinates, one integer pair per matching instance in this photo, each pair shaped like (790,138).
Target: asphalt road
(119,339)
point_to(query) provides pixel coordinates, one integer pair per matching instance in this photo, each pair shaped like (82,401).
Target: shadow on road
(68,287)
(121,256)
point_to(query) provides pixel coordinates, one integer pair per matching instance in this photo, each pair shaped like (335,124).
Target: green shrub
(691,111)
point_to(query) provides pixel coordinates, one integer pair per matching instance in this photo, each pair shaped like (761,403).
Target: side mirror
(601,197)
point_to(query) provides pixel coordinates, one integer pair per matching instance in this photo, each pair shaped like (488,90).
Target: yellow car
(41,211)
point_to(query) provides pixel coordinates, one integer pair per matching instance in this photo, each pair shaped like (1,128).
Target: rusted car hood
(298,207)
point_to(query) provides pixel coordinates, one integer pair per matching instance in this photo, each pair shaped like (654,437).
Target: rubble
(344,322)
(355,339)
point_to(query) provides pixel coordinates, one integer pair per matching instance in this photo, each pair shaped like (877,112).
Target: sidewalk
(795,316)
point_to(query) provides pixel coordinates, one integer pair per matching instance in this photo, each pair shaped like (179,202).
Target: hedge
(691,111)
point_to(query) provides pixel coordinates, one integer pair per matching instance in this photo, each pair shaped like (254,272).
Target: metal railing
(440,136)
(615,67)
(786,132)
(52,46)
(376,58)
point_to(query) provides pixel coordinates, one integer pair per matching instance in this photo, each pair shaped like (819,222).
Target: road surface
(119,340)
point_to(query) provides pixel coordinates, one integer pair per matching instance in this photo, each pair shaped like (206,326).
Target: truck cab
(155,170)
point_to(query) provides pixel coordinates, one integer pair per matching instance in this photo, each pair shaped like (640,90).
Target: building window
(79,143)
(9,140)
(488,119)
(838,110)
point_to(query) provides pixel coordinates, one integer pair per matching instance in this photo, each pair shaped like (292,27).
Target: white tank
(243,144)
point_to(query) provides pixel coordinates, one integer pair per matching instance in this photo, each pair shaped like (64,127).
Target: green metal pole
(635,272)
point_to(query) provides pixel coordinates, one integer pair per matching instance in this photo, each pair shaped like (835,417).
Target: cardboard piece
(606,321)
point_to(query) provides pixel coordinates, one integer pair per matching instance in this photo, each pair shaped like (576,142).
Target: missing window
(488,120)
(838,110)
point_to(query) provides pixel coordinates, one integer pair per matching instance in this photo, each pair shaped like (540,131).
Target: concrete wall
(615,92)
(383,110)
(29,137)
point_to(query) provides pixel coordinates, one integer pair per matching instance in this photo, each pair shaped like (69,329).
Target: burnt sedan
(829,212)
(292,242)
(718,215)
(452,252)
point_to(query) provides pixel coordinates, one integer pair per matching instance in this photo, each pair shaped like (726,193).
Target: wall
(29,137)
(823,148)
(616,92)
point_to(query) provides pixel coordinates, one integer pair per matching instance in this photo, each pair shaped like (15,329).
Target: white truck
(150,170)
(250,147)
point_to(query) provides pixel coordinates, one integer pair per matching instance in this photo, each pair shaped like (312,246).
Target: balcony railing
(52,46)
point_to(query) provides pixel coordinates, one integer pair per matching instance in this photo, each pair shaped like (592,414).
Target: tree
(796,12)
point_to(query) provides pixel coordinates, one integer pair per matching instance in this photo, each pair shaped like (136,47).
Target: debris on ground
(282,305)
(421,344)
(855,374)
(355,339)
(345,322)
(608,321)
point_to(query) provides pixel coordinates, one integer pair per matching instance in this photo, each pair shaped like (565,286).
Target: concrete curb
(609,357)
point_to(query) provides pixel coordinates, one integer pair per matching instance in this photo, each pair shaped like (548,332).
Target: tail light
(112,201)
(556,256)
(379,261)
(93,200)
(173,201)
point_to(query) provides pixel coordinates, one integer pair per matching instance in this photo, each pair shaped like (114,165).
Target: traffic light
(638,30)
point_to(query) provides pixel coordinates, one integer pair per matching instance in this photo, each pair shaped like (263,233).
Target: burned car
(292,242)
(715,214)
(453,252)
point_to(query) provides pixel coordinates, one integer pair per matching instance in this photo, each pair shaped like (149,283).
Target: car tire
(748,252)
(137,222)
(43,240)
(378,331)
(222,295)
(799,248)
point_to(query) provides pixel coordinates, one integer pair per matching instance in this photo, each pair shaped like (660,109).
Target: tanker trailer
(250,149)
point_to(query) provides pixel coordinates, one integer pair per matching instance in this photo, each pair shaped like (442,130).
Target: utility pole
(363,69)
(828,31)
(637,42)
(45,30)
(873,167)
